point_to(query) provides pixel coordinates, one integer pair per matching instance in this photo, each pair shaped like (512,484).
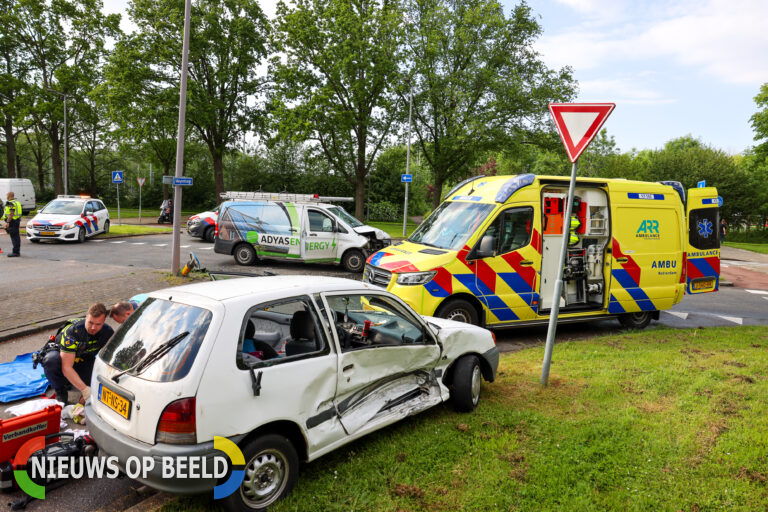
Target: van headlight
(415,278)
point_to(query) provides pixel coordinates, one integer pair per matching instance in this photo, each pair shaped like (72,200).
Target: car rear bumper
(113,443)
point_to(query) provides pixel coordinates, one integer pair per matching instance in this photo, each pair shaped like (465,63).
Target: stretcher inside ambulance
(489,254)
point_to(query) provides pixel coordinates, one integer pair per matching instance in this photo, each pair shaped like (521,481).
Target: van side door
(702,244)
(318,236)
(507,281)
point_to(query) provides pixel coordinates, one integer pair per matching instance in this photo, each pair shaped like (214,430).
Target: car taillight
(684,270)
(493,334)
(177,423)
(216,229)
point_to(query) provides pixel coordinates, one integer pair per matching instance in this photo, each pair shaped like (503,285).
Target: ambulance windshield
(451,225)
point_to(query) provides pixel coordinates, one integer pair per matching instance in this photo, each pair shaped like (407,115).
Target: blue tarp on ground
(18,380)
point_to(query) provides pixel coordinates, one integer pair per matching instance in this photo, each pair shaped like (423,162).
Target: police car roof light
(70,196)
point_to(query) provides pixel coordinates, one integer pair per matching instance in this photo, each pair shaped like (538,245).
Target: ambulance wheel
(465,388)
(638,320)
(208,234)
(245,255)
(353,261)
(459,310)
(81,235)
(106,227)
(271,471)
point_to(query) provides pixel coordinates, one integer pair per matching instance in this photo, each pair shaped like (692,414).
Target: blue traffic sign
(182,182)
(702,184)
(720,201)
(117,176)
(406,178)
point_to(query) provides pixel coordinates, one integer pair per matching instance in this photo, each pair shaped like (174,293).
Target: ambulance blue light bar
(513,185)
(678,188)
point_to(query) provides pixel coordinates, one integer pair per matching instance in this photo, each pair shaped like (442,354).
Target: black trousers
(59,383)
(13,231)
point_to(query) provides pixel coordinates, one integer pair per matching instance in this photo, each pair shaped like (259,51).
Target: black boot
(62,395)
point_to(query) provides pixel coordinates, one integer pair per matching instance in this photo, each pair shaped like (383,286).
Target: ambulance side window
(515,230)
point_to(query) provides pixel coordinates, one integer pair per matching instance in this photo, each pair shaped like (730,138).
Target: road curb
(26,330)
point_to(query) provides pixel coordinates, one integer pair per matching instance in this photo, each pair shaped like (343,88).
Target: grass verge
(761,248)
(394,229)
(130,229)
(661,419)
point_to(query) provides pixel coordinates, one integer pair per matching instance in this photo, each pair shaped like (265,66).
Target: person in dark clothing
(12,215)
(78,343)
(723,226)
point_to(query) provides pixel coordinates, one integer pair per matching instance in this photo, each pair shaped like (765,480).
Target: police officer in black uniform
(12,215)
(78,343)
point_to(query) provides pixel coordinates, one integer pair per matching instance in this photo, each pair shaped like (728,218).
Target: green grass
(761,248)
(394,229)
(131,229)
(661,419)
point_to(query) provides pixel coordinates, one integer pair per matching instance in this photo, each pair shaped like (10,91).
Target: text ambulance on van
(489,253)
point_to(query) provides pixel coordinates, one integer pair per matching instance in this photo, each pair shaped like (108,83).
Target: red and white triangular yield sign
(578,123)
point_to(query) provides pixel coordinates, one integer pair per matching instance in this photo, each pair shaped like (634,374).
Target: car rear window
(147,329)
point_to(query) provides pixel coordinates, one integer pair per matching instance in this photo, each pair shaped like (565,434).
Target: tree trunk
(218,173)
(40,174)
(92,172)
(360,177)
(10,147)
(58,182)
(437,194)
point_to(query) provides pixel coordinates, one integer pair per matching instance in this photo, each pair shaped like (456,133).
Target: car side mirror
(487,247)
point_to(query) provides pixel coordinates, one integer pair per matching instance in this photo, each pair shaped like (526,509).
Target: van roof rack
(282,196)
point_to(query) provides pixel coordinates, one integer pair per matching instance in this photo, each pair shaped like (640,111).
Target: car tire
(460,310)
(245,255)
(465,388)
(271,471)
(209,234)
(106,227)
(353,261)
(639,320)
(81,235)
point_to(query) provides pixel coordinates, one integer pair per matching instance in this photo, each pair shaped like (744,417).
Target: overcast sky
(673,67)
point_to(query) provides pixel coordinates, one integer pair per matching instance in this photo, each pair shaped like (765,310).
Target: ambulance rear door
(703,241)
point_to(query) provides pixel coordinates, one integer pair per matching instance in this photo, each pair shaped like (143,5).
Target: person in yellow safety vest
(575,223)
(12,215)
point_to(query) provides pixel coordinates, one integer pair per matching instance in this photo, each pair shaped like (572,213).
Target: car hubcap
(245,255)
(638,317)
(476,379)
(265,478)
(354,261)
(459,315)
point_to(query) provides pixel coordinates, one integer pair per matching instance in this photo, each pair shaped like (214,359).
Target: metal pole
(118,203)
(558,284)
(408,162)
(180,141)
(66,150)
(140,187)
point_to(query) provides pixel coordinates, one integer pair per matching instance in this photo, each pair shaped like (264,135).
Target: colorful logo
(22,477)
(649,226)
(238,467)
(705,228)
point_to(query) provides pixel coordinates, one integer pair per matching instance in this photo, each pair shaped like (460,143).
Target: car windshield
(451,225)
(153,324)
(346,217)
(63,207)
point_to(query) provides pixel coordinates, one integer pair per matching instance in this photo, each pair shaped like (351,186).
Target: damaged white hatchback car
(288,368)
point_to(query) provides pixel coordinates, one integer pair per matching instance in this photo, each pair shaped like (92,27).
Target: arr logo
(238,467)
(22,477)
(649,226)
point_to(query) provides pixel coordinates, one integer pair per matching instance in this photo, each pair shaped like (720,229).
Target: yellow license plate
(48,233)
(701,285)
(120,405)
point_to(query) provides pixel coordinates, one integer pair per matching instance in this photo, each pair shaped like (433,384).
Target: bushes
(384,211)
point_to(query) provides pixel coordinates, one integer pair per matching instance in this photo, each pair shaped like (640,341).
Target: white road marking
(138,243)
(159,245)
(684,316)
(211,248)
(759,292)
(733,319)
(118,242)
(102,240)
(185,246)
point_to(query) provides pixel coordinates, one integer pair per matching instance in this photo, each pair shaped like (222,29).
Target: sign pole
(559,283)
(408,163)
(140,187)
(118,203)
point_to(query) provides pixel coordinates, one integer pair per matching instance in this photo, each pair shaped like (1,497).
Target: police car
(71,218)
(203,225)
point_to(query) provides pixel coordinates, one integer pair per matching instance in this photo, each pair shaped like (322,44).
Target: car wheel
(459,310)
(81,235)
(353,261)
(209,234)
(245,254)
(467,378)
(271,470)
(106,227)
(638,320)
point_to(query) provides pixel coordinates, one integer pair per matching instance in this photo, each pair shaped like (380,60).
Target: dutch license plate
(48,233)
(120,405)
(700,285)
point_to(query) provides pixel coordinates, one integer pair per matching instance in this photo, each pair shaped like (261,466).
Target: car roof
(267,286)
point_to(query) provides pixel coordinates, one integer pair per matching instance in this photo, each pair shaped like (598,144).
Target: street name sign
(578,124)
(182,182)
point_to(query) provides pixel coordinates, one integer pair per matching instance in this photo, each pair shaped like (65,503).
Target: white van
(299,227)
(22,188)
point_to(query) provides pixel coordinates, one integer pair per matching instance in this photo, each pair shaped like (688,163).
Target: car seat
(258,345)
(302,340)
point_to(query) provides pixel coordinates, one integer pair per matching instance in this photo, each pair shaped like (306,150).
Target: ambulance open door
(702,241)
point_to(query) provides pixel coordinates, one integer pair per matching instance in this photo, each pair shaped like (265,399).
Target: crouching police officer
(77,344)
(12,215)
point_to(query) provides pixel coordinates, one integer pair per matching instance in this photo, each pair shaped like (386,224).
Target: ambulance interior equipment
(583,276)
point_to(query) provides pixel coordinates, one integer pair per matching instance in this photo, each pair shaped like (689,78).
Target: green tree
(333,81)
(478,83)
(759,120)
(13,73)
(227,45)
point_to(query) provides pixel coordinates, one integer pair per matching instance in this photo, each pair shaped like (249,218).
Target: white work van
(23,191)
(299,227)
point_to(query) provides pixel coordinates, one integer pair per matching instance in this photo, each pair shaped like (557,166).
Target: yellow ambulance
(488,255)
